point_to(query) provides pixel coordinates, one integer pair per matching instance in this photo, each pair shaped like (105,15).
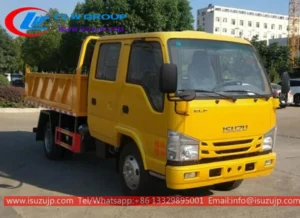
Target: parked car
(295,89)
(284,100)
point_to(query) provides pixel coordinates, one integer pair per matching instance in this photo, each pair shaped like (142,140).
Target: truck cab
(191,108)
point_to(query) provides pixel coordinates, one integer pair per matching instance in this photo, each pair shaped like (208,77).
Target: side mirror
(168,78)
(285,83)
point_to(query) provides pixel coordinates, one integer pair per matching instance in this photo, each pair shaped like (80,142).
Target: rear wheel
(135,179)
(52,150)
(228,186)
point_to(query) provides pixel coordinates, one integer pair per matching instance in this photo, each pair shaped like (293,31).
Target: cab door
(104,91)
(142,104)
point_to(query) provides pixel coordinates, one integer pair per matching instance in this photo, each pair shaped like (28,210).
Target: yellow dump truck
(192,108)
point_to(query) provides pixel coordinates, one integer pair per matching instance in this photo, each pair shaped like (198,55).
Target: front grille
(240,142)
(210,149)
(232,150)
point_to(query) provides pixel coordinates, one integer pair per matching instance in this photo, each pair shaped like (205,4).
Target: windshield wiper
(211,92)
(245,91)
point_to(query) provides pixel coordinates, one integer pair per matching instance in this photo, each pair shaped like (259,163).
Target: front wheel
(228,186)
(135,179)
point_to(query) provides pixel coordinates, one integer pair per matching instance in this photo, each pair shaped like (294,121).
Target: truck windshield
(218,67)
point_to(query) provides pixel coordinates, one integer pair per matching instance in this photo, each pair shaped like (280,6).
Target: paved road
(25,171)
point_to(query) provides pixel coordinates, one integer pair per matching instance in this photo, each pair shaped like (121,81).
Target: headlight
(181,147)
(269,139)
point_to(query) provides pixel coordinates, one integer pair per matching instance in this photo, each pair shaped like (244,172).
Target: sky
(67,6)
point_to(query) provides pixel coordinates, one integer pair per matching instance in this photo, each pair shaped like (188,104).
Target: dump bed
(60,92)
(65,93)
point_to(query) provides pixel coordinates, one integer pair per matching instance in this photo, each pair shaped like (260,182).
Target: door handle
(94,101)
(125,109)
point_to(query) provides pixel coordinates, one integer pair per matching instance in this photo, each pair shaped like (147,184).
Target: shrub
(3,80)
(11,93)
(11,96)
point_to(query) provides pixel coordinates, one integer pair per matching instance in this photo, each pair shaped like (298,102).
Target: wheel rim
(48,140)
(131,172)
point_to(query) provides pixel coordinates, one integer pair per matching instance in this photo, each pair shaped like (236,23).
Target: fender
(124,130)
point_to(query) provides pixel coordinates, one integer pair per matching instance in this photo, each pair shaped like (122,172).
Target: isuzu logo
(228,129)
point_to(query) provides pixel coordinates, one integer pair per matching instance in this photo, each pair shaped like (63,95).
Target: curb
(20,110)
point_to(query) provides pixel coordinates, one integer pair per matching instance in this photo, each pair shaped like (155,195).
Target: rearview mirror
(168,78)
(285,83)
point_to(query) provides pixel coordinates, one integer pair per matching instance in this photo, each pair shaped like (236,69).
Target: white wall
(219,20)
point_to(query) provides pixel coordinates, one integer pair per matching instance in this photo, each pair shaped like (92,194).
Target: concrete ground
(24,170)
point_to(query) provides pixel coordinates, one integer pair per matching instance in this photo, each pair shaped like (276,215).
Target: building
(242,23)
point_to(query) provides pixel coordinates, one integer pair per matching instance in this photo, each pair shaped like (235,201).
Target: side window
(108,60)
(143,69)
(295,83)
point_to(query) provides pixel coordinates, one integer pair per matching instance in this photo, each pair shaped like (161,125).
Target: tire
(228,186)
(52,150)
(131,164)
(297,99)
(283,106)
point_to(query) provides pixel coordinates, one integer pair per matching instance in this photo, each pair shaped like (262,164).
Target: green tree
(18,43)
(186,19)
(8,54)
(3,80)
(262,49)
(275,58)
(273,75)
(201,29)
(142,16)
(43,51)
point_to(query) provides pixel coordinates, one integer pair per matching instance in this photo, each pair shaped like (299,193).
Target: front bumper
(219,172)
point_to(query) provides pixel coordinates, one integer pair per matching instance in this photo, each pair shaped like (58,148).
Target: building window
(217,19)
(233,21)
(108,60)
(198,13)
(198,23)
(203,13)
(273,26)
(218,9)
(250,23)
(235,11)
(257,24)
(233,32)
(224,20)
(203,18)
(224,30)
(266,26)
(146,57)
(217,29)
(280,27)
(265,35)
(241,33)
(241,22)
